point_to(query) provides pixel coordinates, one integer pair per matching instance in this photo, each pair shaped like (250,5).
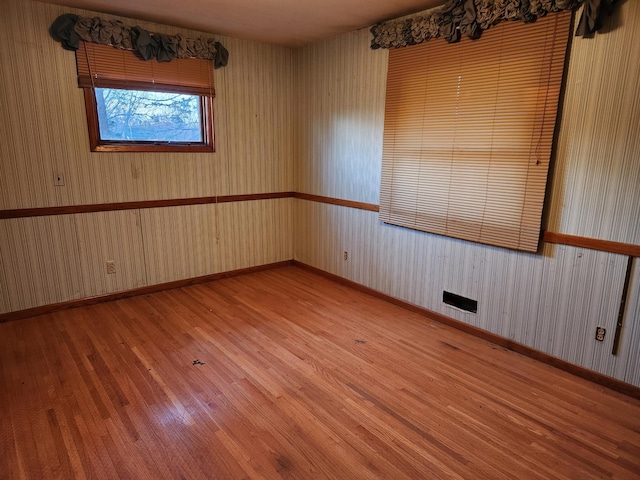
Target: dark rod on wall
(623,306)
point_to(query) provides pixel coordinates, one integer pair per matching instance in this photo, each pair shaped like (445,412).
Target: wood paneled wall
(311,120)
(551,301)
(43,124)
(46,260)
(631,333)
(340,117)
(595,187)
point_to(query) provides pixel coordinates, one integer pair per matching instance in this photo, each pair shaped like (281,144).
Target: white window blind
(469,130)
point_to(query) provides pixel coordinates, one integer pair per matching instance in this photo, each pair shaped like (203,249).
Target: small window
(141,120)
(137,105)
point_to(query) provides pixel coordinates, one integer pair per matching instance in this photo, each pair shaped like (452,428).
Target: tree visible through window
(139,115)
(145,106)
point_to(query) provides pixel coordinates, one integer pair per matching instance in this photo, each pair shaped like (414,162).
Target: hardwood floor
(286,374)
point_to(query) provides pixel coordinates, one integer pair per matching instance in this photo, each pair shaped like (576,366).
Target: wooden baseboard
(595,377)
(598,378)
(56,307)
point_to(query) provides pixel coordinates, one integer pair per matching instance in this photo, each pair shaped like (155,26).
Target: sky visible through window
(136,115)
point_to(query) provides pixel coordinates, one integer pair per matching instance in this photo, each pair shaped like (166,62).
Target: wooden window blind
(469,130)
(107,67)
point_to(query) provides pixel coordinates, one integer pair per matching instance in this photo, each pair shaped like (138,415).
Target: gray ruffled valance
(470,18)
(69,30)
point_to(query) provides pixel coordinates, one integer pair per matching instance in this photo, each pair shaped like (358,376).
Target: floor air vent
(462,303)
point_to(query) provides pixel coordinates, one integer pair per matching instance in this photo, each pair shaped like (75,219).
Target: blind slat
(107,67)
(469,130)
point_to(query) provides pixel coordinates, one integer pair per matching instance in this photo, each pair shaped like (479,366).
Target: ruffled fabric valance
(470,18)
(70,29)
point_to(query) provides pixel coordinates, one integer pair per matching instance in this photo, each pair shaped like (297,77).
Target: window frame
(105,66)
(97,144)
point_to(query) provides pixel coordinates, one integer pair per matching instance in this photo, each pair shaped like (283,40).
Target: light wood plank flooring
(286,374)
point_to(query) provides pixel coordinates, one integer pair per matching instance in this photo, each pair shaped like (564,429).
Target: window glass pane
(135,115)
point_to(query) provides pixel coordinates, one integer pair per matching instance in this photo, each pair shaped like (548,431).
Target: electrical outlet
(111,267)
(600,333)
(58,180)
(346,255)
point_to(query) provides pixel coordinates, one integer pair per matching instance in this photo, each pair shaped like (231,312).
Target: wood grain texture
(83,302)
(55,259)
(590,375)
(311,121)
(287,374)
(594,189)
(340,98)
(592,243)
(253,125)
(337,201)
(99,213)
(112,207)
(551,302)
(549,237)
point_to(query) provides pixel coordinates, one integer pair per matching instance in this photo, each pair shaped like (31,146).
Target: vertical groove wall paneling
(207,239)
(112,236)
(32,147)
(265,237)
(340,111)
(595,188)
(629,371)
(179,242)
(254,140)
(40,260)
(254,123)
(4,290)
(551,301)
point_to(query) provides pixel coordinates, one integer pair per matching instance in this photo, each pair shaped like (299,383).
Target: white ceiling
(281,22)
